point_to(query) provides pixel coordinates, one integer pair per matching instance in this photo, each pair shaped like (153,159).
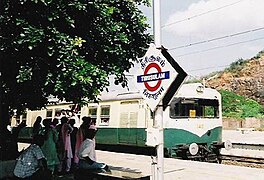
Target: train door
(127,132)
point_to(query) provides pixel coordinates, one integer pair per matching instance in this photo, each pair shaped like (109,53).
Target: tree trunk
(5,136)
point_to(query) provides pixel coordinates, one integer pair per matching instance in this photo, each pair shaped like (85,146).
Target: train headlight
(193,149)
(200,89)
(228,145)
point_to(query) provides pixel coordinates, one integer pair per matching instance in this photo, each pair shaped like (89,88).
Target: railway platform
(180,169)
(174,169)
(245,144)
(248,137)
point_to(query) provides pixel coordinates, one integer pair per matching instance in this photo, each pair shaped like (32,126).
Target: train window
(105,115)
(57,112)
(49,113)
(92,112)
(193,108)
(20,118)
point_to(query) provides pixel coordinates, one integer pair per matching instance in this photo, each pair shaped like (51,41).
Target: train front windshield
(194,108)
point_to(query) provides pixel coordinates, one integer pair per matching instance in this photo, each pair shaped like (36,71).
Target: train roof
(116,95)
(192,90)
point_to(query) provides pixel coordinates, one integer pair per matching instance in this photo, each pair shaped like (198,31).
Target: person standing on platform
(60,144)
(73,137)
(54,123)
(37,126)
(66,130)
(49,147)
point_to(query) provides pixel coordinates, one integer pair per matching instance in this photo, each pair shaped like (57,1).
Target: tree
(65,48)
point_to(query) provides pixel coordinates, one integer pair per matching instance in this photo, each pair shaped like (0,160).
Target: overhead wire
(219,47)
(213,39)
(212,67)
(218,38)
(201,14)
(221,37)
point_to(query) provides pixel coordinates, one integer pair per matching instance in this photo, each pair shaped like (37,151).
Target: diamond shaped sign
(154,76)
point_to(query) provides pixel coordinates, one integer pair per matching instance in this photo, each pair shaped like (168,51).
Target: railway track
(245,153)
(243,159)
(259,147)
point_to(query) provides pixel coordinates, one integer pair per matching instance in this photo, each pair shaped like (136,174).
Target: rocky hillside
(244,77)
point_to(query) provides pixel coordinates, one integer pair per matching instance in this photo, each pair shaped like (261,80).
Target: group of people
(59,148)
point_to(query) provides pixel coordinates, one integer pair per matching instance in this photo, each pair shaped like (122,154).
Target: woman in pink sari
(66,129)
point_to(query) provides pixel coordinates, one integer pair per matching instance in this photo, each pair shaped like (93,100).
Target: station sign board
(154,76)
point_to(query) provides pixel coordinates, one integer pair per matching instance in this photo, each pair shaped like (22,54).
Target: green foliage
(258,55)
(66,48)
(239,107)
(236,66)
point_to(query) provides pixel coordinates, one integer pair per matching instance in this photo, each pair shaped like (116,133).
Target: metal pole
(160,146)
(157,26)
(159,110)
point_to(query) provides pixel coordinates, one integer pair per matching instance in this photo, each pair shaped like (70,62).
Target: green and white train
(192,122)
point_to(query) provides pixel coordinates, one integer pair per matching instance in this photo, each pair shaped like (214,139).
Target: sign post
(158,79)
(159,111)
(155,77)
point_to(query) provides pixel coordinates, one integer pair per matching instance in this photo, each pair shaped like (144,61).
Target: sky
(205,36)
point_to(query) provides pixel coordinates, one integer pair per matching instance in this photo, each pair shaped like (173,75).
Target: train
(192,122)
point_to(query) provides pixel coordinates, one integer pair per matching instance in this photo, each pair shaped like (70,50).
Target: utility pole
(159,111)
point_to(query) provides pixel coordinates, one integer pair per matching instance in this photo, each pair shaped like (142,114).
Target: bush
(236,106)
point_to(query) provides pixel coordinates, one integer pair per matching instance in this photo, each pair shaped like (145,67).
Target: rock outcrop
(247,80)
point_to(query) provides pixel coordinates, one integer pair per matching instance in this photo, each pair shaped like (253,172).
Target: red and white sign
(154,76)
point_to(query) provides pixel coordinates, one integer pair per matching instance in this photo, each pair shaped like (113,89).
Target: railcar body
(192,122)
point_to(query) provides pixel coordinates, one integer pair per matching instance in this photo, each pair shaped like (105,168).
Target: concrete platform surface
(247,137)
(250,137)
(180,169)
